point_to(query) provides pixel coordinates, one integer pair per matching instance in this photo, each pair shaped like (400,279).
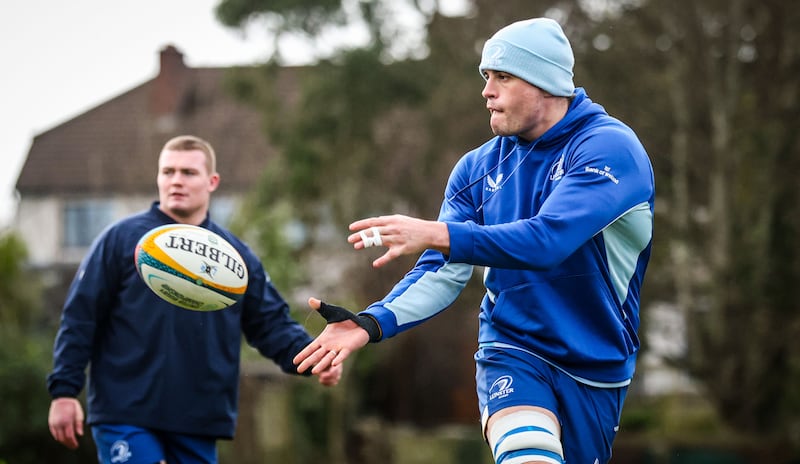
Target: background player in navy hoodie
(163,381)
(558,210)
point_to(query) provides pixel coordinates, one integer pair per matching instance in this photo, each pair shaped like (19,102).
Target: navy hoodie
(153,364)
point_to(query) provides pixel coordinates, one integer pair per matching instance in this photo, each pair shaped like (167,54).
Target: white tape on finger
(375,240)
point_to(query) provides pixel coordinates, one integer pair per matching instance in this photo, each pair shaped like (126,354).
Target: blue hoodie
(153,364)
(562,226)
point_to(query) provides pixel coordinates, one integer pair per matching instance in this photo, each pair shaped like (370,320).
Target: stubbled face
(516,107)
(185,185)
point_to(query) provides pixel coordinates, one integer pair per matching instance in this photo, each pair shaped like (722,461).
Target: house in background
(101,166)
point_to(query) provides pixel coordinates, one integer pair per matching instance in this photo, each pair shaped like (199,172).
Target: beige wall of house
(40,223)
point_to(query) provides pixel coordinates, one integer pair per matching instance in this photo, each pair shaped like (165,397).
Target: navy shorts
(128,444)
(589,416)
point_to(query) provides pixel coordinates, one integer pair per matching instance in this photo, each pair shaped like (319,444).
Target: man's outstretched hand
(401,235)
(341,337)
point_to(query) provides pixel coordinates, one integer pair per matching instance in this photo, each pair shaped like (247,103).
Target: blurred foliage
(328,140)
(284,15)
(268,230)
(17,289)
(24,362)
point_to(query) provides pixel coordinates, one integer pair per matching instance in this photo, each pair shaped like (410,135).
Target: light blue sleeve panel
(425,291)
(431,293)
(625,239)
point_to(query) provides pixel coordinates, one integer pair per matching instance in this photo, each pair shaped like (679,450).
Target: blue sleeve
(90,294)
(606,175)
(267,323)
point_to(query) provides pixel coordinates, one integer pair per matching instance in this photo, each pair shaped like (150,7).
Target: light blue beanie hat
(535,50)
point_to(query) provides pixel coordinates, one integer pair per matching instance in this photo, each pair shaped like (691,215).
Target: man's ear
(213,182)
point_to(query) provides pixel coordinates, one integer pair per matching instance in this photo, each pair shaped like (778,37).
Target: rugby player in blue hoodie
(163,381)
(557,209)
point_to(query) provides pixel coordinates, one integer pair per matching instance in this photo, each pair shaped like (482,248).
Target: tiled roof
(114,147)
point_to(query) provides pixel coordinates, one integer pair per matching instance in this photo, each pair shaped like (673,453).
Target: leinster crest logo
(557,169)
(501,387)
(120,451)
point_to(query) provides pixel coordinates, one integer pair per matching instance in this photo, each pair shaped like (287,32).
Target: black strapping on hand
(333,313)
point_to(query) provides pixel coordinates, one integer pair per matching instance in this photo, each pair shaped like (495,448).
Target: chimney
(170,86)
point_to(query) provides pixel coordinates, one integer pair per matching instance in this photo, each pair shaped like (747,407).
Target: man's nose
(488,89)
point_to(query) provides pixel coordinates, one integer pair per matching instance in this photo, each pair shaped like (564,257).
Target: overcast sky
(63,58)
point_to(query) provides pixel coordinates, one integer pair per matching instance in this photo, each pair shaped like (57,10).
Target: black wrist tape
(333,313)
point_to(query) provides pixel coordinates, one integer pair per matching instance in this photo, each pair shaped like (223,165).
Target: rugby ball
(191,267)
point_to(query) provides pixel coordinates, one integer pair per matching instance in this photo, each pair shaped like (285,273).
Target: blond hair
(191,142)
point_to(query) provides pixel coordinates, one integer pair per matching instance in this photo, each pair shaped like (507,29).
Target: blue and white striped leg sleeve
(526,436)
